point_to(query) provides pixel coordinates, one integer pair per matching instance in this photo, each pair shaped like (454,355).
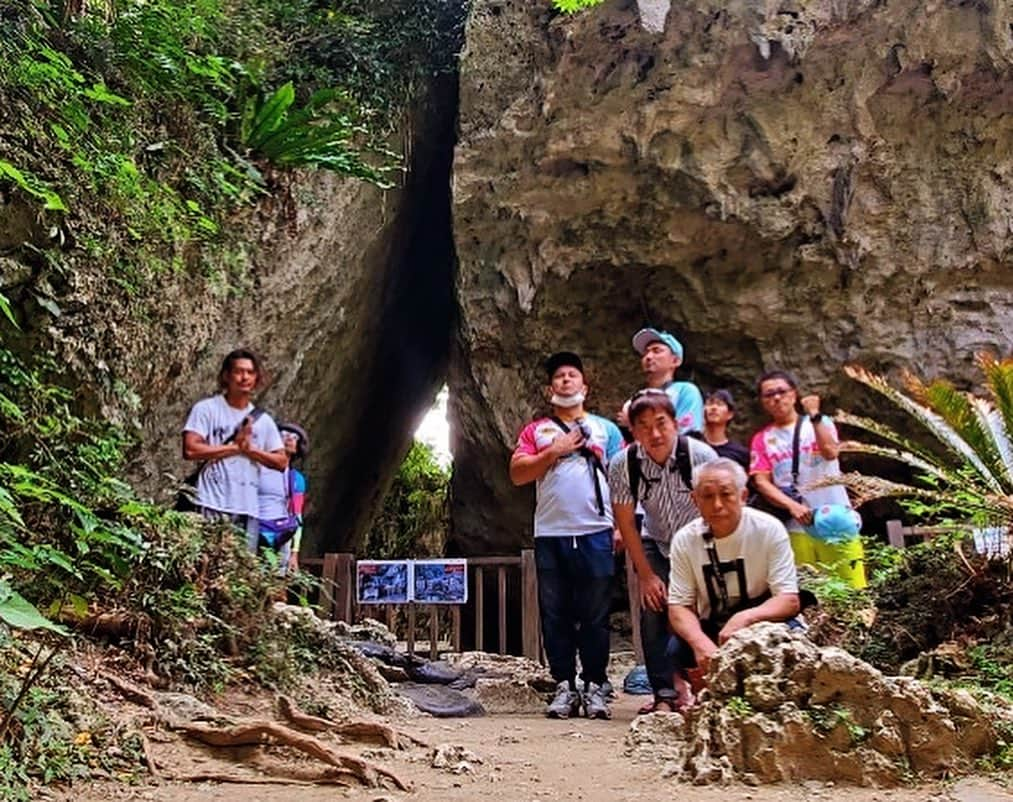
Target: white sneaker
(595,701)
(565,703)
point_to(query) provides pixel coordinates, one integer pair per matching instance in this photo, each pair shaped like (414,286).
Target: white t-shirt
(566,504)
(771,452)
(758,552)
(231,484)
(272,494)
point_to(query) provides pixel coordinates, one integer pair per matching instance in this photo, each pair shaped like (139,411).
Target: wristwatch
(815,418)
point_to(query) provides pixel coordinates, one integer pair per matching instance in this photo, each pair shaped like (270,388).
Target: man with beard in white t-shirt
(731,568)
(232,438)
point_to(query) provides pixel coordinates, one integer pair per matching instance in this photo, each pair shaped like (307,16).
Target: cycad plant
(963,463)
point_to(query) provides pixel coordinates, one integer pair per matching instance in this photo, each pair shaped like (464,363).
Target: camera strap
(594,465)
(719,575)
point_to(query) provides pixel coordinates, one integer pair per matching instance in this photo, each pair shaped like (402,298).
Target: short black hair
(649,399)
(561,358)
(777,374)
(234,356)
(724,396)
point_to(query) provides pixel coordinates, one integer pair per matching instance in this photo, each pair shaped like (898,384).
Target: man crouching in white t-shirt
(731,568)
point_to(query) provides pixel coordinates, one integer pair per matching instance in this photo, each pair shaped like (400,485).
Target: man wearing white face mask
(565,455)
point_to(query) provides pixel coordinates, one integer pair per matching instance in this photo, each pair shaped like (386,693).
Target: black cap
(724,396)
(558,360)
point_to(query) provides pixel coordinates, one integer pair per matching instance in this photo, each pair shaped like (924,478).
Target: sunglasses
(648,391)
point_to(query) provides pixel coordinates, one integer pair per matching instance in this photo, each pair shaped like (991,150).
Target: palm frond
(992,424)
(999,379)
(908,458)
(864,488)
(931,421)
(957,409)
(885,432)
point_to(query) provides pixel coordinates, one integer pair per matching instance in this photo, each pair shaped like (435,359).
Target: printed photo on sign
(383,581)
(440,581)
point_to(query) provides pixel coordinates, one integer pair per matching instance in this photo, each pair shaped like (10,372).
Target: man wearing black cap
(565,455)
(718,411)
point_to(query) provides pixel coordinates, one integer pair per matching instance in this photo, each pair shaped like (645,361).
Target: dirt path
(528,759)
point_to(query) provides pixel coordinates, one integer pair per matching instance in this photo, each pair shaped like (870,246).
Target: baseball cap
(561,358)
(300,432)
(645,337)
(724,396)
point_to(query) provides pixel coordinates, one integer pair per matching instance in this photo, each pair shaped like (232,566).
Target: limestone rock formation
(781,184)
(345,289)
(778,708)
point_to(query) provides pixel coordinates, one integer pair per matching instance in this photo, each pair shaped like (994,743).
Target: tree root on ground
(258,733)
(356,730)
(213,777)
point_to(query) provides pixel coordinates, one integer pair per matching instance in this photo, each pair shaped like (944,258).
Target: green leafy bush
(415,518)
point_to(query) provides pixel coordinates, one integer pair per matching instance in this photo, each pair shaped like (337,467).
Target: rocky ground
(782,719)
(528,758)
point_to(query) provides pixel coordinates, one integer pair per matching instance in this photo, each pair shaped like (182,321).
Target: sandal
(660,706)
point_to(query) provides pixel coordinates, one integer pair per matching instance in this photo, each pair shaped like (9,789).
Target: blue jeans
(655,632)
(574,593)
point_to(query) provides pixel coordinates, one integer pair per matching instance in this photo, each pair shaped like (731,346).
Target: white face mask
(567,401)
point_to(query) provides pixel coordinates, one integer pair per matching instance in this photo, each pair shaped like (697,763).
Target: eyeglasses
(647,391)
(289,436)
(777,392)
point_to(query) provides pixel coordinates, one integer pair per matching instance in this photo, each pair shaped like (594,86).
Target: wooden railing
(337,602)
(898,535)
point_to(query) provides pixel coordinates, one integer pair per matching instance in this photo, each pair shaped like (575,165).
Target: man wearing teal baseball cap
(660,357)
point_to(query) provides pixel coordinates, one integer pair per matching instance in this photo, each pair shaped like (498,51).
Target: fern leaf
(271,114)
(991,422)
(957,409)
(999,378)
(905,457)
(930,420)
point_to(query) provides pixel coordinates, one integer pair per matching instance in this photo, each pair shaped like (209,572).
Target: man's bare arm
(686,624)
(653,593)
(195,447)
(777,608)
(526,468)
(765,485)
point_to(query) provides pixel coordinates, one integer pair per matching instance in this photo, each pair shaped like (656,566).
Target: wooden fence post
(328,586)
(531,631)
(344,598)
(633,589)
(479,609)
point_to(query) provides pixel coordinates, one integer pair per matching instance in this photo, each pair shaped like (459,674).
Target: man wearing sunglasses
(656,472)
(791,452)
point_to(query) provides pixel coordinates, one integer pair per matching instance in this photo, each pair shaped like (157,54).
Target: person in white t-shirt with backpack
(565,454)
(232,438)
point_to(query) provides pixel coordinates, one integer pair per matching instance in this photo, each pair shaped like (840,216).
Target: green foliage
(965,474)
(992,668)
(739,706)
(573,6)
(826,718)
(322,133)
(19,613)
(415,517)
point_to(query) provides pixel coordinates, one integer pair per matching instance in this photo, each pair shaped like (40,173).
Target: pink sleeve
(526,444)
(298,503)
(759,462)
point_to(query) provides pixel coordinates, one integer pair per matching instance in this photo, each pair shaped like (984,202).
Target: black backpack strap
(794,450)
(633,471)
(593,463)
(683,460)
